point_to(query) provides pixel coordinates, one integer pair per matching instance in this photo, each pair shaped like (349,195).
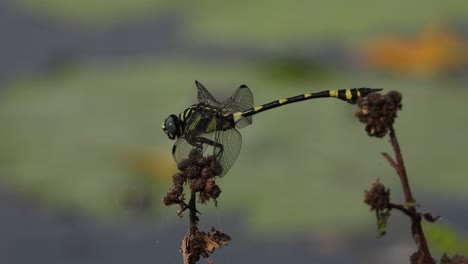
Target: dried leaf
(430,218)
(382,218)
(210,245)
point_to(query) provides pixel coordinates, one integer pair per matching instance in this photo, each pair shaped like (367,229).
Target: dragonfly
(211,126)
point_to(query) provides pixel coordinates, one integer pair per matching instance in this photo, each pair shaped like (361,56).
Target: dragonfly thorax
(202,118)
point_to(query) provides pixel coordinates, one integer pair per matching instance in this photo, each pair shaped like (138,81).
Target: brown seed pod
(196,185)
(378,112)
(378,197)
(208,185)
(192,172)
(216,168)
(204,197)
(178,178)
(194,154)
(201,161)
(215,191)
(173,195)
(183,164)
(206,173)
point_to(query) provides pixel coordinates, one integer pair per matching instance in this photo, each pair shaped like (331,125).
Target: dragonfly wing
(181,150)
(205,97)
(229,140)
(232,142)
(241,100)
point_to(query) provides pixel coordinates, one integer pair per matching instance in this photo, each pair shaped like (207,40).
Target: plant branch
(193,213)
(424,255)
(391,161)
(400,167)
(401,208)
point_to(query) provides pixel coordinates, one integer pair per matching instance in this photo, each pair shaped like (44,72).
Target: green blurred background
(85,85)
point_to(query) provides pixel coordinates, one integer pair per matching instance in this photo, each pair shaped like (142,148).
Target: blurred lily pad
(276,23)
(95,13)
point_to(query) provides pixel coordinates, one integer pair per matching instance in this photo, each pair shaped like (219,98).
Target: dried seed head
(210,190)
(183,164)
(206,173)
(216,168)
(169,200)
(457,259)
(196,185)
(192,172)
(208,185)
(378,112)
(173,196)
(199,172)
(378,198)
(201,161)
(215,191)
(178,178)
(219,237)
(194,154)
(209,159)
(204,197)
(178,188)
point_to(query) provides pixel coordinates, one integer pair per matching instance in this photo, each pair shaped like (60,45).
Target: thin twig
(401,167)
(424,256)
(391,161)
(401,208)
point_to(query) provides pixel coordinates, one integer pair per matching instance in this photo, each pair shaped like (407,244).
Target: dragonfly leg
(218,148)
(198,144)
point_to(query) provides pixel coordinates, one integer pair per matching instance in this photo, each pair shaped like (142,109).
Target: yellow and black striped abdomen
(348,95)
(351,95)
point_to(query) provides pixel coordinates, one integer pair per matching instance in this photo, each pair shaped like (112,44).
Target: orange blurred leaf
(434,51)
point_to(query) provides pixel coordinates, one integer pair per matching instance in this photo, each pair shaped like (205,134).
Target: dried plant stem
(401,208)
(187,242)
(401,167)
(193,213)
(424,256)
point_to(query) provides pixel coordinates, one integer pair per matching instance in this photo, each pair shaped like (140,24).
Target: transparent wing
(205,97)
(231,141)
(182,146)
(241,100)
(181,150)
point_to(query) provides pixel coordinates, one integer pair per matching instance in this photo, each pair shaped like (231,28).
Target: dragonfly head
(172,127)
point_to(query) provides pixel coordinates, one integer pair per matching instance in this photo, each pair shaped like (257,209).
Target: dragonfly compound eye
(171,126)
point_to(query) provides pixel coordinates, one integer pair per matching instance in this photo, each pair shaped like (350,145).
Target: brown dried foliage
(198,172)
(378,112)
(378,197)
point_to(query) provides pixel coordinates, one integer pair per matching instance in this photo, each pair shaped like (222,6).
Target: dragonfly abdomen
(348,95)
